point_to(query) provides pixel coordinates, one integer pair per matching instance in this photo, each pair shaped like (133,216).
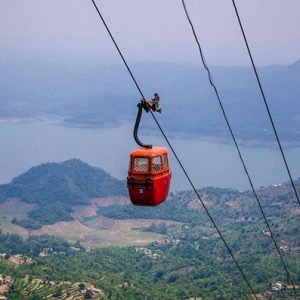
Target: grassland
(14,208)
(88,228)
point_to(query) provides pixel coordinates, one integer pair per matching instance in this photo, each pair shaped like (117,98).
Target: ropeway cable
(289,279)
(173,151)
(266,103)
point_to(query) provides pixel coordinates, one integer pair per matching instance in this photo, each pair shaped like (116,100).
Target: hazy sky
(154,30)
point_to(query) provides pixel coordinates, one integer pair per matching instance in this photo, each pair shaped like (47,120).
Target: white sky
(154,30)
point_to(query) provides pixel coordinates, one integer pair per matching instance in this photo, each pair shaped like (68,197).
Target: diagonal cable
(177,158)
(266,103)
(235,142)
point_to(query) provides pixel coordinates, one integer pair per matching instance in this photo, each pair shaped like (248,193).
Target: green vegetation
(46,214)
(35,289)
(229,206)
(179,272)
(71,182)
(13,244)
(189,261)
(55,187)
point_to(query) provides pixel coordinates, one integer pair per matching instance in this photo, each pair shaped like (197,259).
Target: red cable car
(149,176)
(149,172)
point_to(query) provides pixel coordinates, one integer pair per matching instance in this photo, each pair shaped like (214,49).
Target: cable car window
(165,161)
(141,164)
(156,164)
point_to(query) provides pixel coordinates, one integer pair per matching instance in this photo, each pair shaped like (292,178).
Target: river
(27,144)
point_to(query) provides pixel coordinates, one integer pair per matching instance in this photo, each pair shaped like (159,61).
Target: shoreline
(66,121)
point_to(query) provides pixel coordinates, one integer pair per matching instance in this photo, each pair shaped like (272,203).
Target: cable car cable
(289,279)
(177,158)
(266,103)
(117,47)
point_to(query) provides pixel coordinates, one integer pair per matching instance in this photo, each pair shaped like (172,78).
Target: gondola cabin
(149,176)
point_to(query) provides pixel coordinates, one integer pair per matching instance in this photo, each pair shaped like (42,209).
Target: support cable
(266,103)
(117,47)
(177,158)
(235,142)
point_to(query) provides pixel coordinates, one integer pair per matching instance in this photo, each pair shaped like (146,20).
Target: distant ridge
(296,63)
(93,95)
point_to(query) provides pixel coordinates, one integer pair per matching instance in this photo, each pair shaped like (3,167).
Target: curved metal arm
(136,126)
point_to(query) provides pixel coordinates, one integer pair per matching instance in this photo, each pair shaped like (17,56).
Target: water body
(23,145)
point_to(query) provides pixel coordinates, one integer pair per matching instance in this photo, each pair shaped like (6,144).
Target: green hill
(56,187)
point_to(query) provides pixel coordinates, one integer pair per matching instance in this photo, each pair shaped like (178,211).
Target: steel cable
(266,103)
(175,155)
(289,279)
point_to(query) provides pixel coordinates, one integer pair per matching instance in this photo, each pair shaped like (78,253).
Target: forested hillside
(56,187)
(189,260)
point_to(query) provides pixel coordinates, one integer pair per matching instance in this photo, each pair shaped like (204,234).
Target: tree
(88,294)
(58,292)
(81,286)
(35,297)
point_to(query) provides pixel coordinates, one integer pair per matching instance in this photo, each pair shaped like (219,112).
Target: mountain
(95,95)
(55,187)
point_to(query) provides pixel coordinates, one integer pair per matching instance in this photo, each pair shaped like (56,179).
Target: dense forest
(13,244)
(188,261)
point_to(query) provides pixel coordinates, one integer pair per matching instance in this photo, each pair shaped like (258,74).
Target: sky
(154,30)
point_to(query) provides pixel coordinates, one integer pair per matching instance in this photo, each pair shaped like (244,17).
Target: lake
(27,144)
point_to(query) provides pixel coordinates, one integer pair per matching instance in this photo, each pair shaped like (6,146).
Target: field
(90,229)
(188,259)
(53,289)
(95,234)
(14,208)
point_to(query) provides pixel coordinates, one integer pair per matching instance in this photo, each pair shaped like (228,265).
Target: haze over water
(28,144)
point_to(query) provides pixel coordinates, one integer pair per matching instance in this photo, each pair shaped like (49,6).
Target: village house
(45,252)
(5,279)
(75,249)
(276,287)
(266,232)
(97,292)
(147,252)
(284,249)
(163,241)
(92,292)
(19,259)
